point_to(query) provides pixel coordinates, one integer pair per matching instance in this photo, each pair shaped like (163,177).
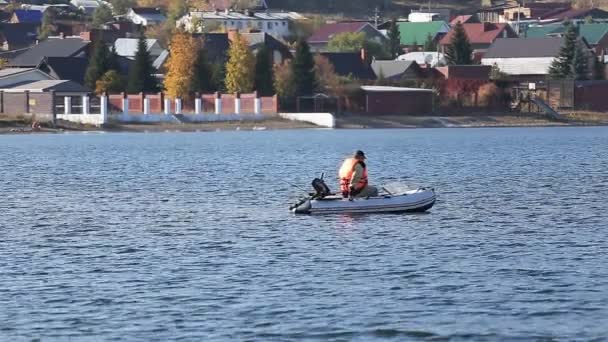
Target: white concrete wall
(87,119)
(521,66)
(319,119)
(159,118)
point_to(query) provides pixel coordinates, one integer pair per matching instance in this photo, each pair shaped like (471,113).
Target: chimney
(232,34)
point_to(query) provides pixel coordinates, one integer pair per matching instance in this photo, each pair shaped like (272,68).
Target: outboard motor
(321,189)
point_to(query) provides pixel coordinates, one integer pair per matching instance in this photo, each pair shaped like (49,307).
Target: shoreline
(510,120)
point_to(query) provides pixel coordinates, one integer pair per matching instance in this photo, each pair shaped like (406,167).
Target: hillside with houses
(270,56)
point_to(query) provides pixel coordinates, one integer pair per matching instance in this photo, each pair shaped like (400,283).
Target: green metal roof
(591,32)
(417,32)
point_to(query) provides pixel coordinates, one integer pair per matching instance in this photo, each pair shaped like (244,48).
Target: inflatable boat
(322,202)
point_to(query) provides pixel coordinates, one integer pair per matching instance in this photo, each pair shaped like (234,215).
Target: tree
(180,65)
(120,7)
(580,67)
(110,82)
(459,51)
(112,63)
(394,38)
(102,15)
(561,67)
(177,8)
(430,44)
(284,83)
(240,66)
(303,69)
(47,27)
(98,63)
(327,79)
(264,72)
(496,74)
(3,63)
(202,81)
(141,78)
(354,42)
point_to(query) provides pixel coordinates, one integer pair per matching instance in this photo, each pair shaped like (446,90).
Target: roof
(146,10)
(19,34)
(464,72)
(424,57)
(233,15)
(50,85)
(13,71)
(128,46)
(85,3)
(385,89)
(481,33)
(463,19)
(524,47)
(350,64)
(28,16)
(393,69)
(216,46)
(52,47)
(577,14)
(258,39)
(418,32)
(592,33)
(67,68)
(226,4)
(327,32)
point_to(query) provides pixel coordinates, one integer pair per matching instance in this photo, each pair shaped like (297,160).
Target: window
(269,25)
(260,26)
(284,23)
(239,24)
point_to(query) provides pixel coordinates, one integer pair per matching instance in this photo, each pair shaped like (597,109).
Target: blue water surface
(187,236)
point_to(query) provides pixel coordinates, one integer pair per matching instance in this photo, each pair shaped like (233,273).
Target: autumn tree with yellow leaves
(240,68)
(180,65)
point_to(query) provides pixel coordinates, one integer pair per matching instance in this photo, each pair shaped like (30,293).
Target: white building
(146,16)
(277,24)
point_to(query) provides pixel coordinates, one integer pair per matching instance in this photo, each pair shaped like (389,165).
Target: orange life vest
(346,175)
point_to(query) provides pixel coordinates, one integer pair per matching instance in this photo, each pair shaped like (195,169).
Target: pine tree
(141,78)
(98,64)
(180,66)
(303,69)
(459,51)
(580,67)
(47,27)
(430,44)
(561,67)
(240,66)
(113,60)
(264,73)
(394,37)
(202,81)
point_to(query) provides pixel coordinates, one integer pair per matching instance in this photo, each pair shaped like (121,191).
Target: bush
(489,95)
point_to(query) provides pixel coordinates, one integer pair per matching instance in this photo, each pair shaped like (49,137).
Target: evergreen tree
(240,66)
(394,37)
(459,51)
(47,27)
(561,67)
(102,15)
(141,78)
(98,64)
(180,66)
(264,73)
(110,82)
(112,63)
(580,67)
(303,69)
(202,81)
(430,44)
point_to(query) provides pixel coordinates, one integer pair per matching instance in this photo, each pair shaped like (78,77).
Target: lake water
(187,236)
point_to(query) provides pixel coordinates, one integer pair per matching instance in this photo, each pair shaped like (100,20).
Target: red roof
(325,33)
(461,18)
(481,33)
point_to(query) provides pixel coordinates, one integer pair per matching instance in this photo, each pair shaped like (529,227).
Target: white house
(277,24)
(146,16)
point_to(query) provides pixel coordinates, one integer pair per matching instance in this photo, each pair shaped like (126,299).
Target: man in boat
(353,178)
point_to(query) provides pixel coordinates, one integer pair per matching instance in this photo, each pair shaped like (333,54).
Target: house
(382,100)
(471,73)
(434,14)
(126,48)
(351,64)
(17,36)
(86,6)
(277,24)
(216,46)
(577,16)
(524,59)
(319,40)
(426,58)
(146,16)
(279,52)
(397,70)
(51,47)
(26,16)
(222,5)
(65,68)
(595,34)
(414,35)
(481,35)
(11,77)
(464,19)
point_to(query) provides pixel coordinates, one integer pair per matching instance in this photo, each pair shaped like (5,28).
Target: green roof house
(416,33)
(596,35)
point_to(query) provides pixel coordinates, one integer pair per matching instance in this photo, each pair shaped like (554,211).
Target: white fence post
(125,105)
(146,106)
(85,105)
(257,104)
(103,107)
(67,104)
(178,106)
(167,106)
(218,104)
(237,104)
(198,104)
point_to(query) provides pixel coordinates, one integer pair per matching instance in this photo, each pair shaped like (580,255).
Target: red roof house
(464,19)
(481,35)
(319,40)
